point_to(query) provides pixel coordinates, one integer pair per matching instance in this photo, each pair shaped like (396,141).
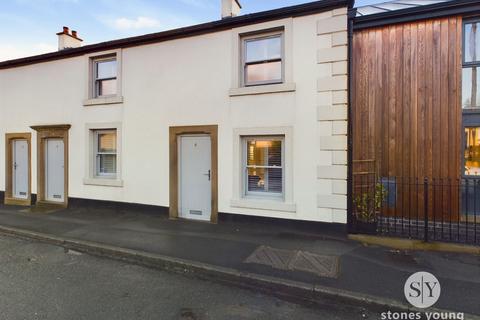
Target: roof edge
(185,32)
(436,10)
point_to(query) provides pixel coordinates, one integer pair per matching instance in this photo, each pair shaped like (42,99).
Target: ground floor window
(264,166)
(105,153)
(472,151)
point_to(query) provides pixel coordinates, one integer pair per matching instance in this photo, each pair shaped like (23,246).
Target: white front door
(195,175)
(54,170)
(20,169)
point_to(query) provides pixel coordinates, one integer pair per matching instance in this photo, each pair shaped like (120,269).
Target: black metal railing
(430,209)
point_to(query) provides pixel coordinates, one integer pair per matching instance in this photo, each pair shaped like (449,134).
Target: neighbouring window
(263,59)
(105,153)
(471,65)
(105,77)
(471,98)
(472,151)
(264,166)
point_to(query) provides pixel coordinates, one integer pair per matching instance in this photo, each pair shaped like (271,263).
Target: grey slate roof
(394,5)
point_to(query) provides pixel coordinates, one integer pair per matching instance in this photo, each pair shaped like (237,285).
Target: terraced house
(246,115)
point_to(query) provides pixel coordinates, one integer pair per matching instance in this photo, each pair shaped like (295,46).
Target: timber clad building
(290,113)
(415,116)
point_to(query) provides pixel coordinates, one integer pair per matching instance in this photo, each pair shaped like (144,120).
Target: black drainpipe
(351,15)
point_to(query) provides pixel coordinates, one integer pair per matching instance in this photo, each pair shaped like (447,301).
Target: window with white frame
(105,146)
(263,59)
(263,166)
(104,76)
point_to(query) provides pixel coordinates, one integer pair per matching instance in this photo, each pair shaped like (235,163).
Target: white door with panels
(54,170)
(20,169)
(195,177)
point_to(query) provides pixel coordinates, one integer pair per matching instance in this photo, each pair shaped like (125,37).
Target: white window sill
(271,205)
(103,182)
(264,89)
(105,100)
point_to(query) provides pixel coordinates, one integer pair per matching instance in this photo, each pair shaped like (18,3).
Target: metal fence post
(425,208)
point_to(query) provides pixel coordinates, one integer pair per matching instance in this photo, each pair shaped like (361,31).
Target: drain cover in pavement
(321,265)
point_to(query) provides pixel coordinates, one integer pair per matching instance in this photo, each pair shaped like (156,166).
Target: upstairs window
(471,66)
(264,167)
(105,77)
(263,59)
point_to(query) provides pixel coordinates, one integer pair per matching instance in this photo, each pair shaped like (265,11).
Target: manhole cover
(276,258)
(321,265)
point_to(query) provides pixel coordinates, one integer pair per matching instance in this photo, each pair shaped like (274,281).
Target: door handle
(207,174)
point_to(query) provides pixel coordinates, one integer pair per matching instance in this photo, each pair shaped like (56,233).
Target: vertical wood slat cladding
(406,106)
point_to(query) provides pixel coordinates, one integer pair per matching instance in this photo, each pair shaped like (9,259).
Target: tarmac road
(41,281)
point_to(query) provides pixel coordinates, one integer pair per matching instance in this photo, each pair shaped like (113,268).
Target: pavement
(42,281)
(270,257)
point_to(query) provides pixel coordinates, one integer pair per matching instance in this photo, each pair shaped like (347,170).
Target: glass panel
(275,181)
(265,180)
(256,179)
(472,42)
(470,88)
(263,49)
(107,164)
(472,151)
(106,87)
(263,72)
(106,69)
(264,153)
(107,142)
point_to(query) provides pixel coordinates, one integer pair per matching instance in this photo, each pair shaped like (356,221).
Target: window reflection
(270,71)
(107,87)
(263,49)
(472,42)
(262,60)
(106,69)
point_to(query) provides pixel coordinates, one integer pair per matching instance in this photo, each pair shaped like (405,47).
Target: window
(263,59)
(471,98)
(472,151)
(105,153)
(105,77)
(471,64)
(264,166)
(103,161)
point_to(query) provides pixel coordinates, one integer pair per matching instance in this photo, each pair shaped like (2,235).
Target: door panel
(20,169)
(54,170)
(195,193)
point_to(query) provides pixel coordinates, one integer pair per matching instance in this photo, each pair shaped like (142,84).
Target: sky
(29,27)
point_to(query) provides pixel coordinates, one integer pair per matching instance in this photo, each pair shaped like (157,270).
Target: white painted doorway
(54,170)
(195,177)
(20,169)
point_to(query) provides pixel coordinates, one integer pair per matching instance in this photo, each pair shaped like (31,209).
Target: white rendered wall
(181,83)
